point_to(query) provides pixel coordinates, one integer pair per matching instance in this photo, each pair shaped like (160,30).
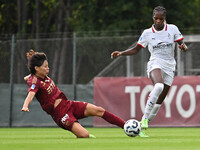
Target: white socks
(153,96)
(154,112)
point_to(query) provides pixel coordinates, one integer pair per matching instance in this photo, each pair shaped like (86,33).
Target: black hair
(35,59)
(160,9)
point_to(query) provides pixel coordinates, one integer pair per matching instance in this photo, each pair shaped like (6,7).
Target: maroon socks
(111,118)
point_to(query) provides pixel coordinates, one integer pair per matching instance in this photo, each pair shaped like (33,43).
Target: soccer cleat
(143,134)
(144,123)
(92,136)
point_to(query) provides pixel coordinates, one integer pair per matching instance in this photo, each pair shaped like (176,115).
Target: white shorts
(168,74)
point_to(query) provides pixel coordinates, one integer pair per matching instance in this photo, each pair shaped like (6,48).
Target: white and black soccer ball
(132,127)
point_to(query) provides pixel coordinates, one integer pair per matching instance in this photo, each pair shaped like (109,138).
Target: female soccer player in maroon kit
(54,102)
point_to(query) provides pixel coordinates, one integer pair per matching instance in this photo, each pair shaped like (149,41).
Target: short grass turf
(106,139)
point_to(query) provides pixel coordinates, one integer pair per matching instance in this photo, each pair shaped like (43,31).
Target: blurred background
(78,38)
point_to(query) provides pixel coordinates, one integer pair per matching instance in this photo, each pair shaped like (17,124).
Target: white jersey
(161,45)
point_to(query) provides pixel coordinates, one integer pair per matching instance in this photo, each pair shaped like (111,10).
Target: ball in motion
(132,127)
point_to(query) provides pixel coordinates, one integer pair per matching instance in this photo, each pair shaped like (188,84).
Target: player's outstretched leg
(111,118)
(92,110)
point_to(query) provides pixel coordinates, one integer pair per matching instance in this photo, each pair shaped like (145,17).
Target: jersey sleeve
(143,40)
(177,34)
(33,85)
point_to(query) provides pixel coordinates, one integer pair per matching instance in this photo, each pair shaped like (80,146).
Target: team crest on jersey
(33,86)
(34,80)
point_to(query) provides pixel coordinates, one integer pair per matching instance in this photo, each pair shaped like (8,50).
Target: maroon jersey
(46,92)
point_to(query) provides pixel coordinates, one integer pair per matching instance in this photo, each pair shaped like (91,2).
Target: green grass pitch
(106,139)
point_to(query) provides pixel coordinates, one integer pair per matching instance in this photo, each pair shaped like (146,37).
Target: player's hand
(25,109)
(115,54)
(26,77)
(183,47)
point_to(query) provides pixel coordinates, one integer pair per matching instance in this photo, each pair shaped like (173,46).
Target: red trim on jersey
(179,39)
(140,45)
(166,27)
(153,29)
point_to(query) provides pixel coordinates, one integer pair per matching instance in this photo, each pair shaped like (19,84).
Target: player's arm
(27,101)
(130,51)
(182,45)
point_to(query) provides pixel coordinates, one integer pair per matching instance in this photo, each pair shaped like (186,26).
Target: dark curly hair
(35,59)
(160,9)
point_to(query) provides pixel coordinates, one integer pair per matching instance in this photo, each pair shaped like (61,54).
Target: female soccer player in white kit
(160,39)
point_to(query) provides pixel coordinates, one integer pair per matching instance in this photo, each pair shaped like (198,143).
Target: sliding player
(54,102)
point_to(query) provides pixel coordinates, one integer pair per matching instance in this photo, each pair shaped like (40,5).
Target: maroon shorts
(68,112)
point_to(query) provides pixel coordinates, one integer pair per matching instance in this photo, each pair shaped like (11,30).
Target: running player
(54,102)
(160,39)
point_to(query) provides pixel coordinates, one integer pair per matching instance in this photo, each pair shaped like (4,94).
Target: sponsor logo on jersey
(162,45)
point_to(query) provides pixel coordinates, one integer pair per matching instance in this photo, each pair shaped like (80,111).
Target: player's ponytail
(29,54)
(35,59)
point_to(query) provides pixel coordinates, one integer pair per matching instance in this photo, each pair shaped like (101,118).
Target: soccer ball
(132,127)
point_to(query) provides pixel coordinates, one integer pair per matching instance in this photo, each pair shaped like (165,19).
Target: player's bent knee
(93,110)
(100,111)
(159,87)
